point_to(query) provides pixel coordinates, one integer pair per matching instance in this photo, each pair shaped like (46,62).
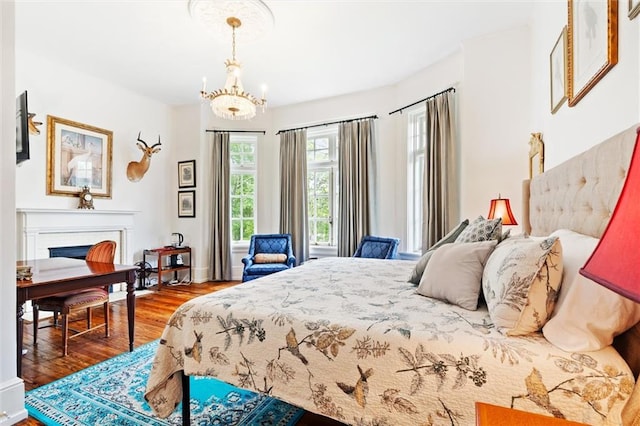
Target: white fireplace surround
(39,229)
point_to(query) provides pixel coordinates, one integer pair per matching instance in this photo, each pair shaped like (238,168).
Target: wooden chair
(69,303)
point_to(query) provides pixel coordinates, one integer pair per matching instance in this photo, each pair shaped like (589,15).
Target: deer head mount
(137,169)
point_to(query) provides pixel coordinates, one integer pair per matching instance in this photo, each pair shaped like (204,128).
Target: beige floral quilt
(350,338)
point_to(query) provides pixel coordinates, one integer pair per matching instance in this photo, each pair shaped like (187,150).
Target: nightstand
(493,415)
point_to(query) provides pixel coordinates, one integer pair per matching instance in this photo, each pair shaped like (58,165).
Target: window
(322,185)
(416,142)
(243,161)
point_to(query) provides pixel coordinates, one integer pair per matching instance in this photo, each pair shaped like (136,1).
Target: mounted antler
(137,169)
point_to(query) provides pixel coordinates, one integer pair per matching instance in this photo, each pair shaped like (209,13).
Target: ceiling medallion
(256,17)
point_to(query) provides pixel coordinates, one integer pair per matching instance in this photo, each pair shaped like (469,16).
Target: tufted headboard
(580,194)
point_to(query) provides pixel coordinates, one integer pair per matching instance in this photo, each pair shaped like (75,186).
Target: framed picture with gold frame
(78,155)
(592,44)
(558,72)
(634,8)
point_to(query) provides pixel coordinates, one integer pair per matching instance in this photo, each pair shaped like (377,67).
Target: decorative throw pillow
(521,281)
(270,258)
(416,274)
(587,316)
(481,229)
(454,272)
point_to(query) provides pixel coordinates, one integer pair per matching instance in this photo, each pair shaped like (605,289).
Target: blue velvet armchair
(268,253)
(377,247)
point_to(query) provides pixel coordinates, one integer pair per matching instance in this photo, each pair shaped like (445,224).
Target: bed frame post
(186,409)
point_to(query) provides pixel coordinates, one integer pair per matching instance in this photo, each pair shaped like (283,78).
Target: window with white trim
(243,191)
(322,185)
(416,143)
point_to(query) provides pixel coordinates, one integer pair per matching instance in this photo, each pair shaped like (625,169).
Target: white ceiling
(318,49)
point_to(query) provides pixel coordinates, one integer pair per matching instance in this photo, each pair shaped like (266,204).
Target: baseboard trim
(12,406)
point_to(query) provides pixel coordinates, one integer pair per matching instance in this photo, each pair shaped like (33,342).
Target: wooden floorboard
(44,363)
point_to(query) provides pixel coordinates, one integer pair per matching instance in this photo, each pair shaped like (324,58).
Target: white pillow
(587,315)
(576,250)
(454,273)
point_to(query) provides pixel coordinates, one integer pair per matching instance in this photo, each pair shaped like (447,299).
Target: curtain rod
(422,100)
(375,117)
(236,131)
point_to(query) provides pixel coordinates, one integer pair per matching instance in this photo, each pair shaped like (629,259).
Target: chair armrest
(247,260)
(291,261)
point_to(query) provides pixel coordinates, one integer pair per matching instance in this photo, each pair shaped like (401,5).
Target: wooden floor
(44,362)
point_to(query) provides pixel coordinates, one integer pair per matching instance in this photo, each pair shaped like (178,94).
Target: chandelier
(232,102)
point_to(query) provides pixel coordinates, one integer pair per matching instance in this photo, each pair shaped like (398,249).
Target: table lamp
(501,208)
(615,263)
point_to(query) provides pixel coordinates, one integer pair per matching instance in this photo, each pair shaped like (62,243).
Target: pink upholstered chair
(69,303)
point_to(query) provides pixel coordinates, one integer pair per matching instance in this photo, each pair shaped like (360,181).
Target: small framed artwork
(558,72)
(78,155)
(186,203)
(634,8)
(187,174)
(592,43)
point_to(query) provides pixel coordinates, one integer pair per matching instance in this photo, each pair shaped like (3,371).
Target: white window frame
(330,165)
(416,160)
(245,169)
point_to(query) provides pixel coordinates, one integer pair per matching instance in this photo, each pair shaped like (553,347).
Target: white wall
(611,106)
(494,120)
(54,89)
(11,387)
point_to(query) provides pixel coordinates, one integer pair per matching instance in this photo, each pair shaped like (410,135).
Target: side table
(493,415)
(172,266)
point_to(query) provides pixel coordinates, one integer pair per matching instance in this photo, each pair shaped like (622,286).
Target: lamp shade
(615,263)
(501,208)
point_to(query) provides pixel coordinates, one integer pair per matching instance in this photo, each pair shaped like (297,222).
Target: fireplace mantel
(33,225)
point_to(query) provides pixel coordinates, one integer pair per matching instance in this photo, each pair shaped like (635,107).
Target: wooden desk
(60,274)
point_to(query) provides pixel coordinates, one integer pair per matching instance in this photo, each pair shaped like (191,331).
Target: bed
(351,339)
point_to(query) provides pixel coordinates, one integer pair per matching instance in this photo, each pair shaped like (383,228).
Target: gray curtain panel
(440,184)
(293,191)
(220,251)
(356,171)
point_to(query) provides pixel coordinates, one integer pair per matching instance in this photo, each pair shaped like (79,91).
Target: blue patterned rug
(111,393)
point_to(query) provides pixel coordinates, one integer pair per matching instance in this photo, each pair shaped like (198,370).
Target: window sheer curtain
(293,191)
(440,184)
(220,251)
(356,171)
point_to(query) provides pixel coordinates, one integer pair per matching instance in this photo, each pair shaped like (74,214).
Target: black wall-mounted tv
(22,128)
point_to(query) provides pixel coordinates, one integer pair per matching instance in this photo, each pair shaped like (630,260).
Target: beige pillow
(454,272)
(270,258)
(416,274)
(521,281)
